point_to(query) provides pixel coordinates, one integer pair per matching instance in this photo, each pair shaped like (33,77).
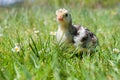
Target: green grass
(41,58)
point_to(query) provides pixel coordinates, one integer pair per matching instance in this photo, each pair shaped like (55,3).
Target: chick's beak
(60,18)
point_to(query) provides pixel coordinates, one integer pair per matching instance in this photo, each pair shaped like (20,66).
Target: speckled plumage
(76,34)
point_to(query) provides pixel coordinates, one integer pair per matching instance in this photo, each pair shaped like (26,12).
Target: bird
(69,33)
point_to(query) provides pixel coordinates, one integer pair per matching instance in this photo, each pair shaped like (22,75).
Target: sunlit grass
(37,55)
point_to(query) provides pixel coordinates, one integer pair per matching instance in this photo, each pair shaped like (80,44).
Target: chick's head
(63,16)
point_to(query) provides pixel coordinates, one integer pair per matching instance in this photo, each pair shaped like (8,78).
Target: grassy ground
(29,52)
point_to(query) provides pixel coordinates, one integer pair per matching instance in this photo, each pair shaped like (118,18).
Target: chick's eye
(66,15)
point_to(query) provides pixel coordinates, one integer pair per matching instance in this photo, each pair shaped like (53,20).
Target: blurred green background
(80,3)
(68,3)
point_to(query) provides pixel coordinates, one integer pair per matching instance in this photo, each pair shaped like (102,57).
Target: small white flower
(1,31)
(35,31)
(53,33)
(16,49)
(45,22)
(1,35)
(39,52)
(115,50)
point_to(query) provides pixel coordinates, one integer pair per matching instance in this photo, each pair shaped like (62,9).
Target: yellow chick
(75,34)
